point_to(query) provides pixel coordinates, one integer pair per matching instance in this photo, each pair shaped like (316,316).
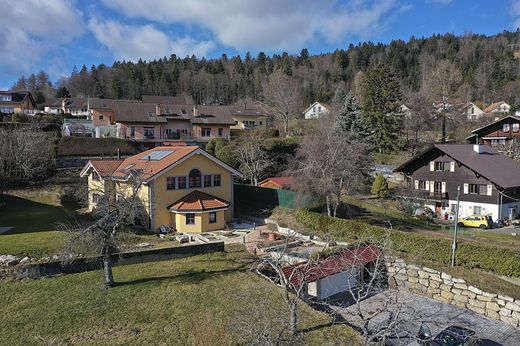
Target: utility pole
(454,245)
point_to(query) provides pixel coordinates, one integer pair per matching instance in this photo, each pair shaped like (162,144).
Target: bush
(380,187)
(19,118)
(86,146)
(227,154)
(486,257)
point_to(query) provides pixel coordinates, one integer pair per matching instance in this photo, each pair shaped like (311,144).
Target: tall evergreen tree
(350,120)
(381,104)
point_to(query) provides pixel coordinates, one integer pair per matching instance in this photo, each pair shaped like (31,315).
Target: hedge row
(498,260)
(87,146)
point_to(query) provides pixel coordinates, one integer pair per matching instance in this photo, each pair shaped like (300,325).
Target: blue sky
(55,35)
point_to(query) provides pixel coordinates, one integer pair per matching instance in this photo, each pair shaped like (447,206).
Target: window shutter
(416,184)
(432,186)
(452,166)
(443,187)
(432,166)
(466,188)
(427,185)
(489,190)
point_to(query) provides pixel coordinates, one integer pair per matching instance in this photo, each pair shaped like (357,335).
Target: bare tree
(284,97)
(253,159)
(25,155)
(114,215)
(330,163)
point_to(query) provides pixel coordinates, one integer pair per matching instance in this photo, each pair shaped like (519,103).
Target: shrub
(86,146)
(486,257)
(380,187)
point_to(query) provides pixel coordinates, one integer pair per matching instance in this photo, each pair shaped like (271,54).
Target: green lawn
(39,244)
(36,213)
(199,300)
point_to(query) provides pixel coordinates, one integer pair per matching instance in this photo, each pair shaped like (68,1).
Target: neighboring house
(500,107)
(211,122)
(335,274)
(499,132)
(467,109)
(249,115)
(489,181)
(316,110)
(183,187)
(286,183)
(139,121)
(17,102)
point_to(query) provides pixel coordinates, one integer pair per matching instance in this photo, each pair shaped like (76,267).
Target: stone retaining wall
(38,270)
(451,290)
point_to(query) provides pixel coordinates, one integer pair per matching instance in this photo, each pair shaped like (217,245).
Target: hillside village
(363,216)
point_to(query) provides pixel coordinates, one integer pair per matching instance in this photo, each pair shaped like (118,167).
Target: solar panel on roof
(157,155)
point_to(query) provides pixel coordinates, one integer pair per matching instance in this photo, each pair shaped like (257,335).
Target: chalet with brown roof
(489,182)
(183,187)
(499,132)
(16,102)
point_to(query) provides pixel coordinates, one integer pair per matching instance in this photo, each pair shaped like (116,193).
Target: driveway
(415,309)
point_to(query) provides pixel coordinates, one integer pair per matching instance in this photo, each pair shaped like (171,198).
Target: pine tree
(350,119)
(381,100)
(380,187)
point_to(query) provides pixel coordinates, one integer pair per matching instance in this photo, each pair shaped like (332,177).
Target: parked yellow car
(479,221)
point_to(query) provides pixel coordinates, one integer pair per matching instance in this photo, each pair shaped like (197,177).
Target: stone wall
(38,270)
(451,290)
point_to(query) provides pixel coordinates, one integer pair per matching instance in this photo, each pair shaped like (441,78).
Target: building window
(453,208)
(220,131)
(505,127)
(477,210)
(181,183)
(207,181)
(478,189)
(170,183)
(213,217)
(132,131)
(516,127)
(95,198)
(261,122)
(149,132)
(442,166)
(216,180)
(206,132)
(100,117)
(422,184)
(5,98)
(190,219)
(195,178)
(95,176)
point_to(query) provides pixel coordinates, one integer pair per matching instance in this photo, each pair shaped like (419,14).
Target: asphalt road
(412,310)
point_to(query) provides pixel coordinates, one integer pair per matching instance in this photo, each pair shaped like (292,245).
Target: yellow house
(183,187)
(249,115)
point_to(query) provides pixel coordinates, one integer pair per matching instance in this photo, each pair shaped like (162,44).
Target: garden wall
(38,270)
(448,289)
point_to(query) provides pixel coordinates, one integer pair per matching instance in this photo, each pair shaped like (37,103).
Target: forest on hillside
(469,67)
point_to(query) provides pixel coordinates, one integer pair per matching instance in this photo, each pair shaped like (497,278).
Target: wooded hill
(473,67)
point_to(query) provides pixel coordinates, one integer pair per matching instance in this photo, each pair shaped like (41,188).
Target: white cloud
(267,24)
(29,28)
(127,42)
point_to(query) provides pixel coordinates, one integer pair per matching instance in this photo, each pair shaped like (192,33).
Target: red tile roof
(312,271)
(149,168)
(280,181)
(199,201)
(105,168)
(493,106)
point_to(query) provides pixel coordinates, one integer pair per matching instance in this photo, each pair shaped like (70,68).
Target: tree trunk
(328,206)
(294,319)
(107,268)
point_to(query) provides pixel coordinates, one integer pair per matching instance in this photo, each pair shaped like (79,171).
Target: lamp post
(454,245)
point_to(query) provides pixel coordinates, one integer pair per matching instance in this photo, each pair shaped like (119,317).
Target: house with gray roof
(489,182)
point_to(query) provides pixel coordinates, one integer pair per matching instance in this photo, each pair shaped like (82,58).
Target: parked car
(451,336)
(479,221)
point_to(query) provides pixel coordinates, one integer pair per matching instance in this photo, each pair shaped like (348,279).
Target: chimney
(195,111)
(157,109)
(478,148)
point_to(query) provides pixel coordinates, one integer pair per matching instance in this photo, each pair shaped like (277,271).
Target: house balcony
(435,195)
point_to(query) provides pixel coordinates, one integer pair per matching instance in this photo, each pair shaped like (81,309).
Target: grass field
(193,301)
